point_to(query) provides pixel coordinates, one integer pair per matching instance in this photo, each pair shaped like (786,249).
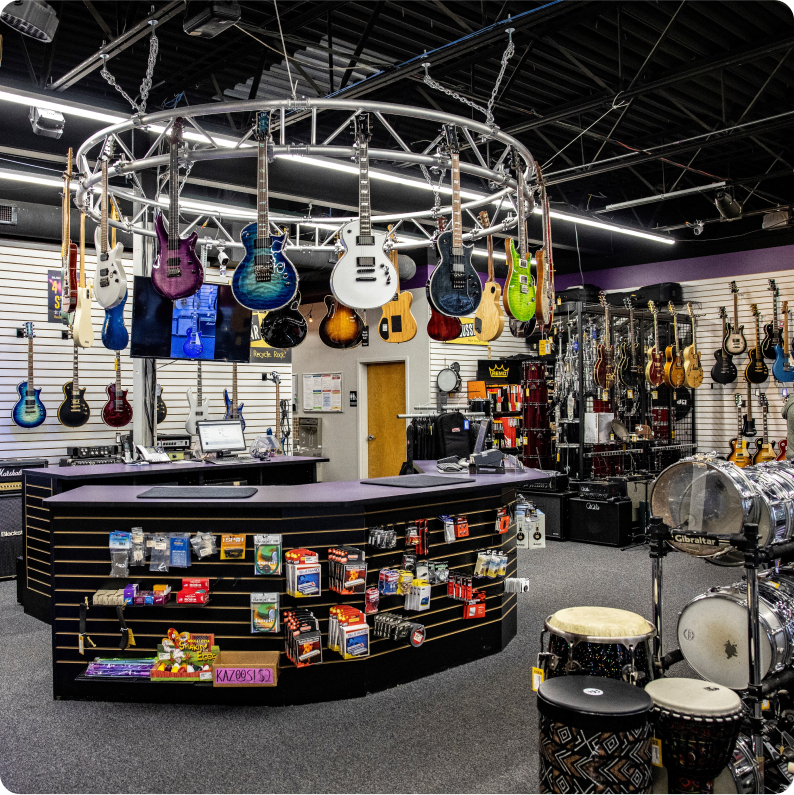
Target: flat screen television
(209,325)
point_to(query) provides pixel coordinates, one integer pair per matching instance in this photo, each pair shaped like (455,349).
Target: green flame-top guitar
(518,295)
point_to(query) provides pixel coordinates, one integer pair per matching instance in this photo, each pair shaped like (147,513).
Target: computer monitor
(217,436)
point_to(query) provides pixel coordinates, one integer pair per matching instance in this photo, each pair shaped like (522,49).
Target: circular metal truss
(209,146)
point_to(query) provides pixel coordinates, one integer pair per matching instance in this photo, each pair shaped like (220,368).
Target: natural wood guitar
(765,448)
(674,374)
(693,369)
(489,321)
(397,324)
(739,453)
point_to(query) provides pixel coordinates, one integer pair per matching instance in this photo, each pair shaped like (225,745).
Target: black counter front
(315,516)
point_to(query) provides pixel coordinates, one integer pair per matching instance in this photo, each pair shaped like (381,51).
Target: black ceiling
(670,70)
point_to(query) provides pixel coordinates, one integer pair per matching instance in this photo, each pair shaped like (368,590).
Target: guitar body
(83,328)
(397,324)
(756,371)
(197,412)
(766,452)
(600,368)
(781,456)
(69,270)
(772,338)
(189,273)
(454,296)
(110,279)
(693,369)
(724,370)
(162,409)
(115,336)
(522,329)
(231,412)
(489,322)
(284,328)
(342,327)
(734,342)
(518,296)
(73,417)
(28,411)
(654,369)
(371,288)
(263,296)
(782,369)
(193,347)
(748,428)
(440,327)
(116,417)
(739,453)
(544,310)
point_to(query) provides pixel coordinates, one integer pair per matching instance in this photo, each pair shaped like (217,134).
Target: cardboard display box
(245,669)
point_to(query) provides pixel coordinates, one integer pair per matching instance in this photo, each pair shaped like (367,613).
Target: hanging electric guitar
(285,327)
(489,322)
(544,311)
(265,279)
(162,409)
(604,371)
(734,342)
(756,371)
(193,347)
(29,411)
(772,335)
(68,250)
(110,280)
(627,371)
(342,327)
(693,369)
(199,407)
(724,370)
(674,374)
(518,296)
(83,327)
(233,411)
(654,369)
(363,277)
(74,412)
(782,369)
(739,453)
(177,271)
(781,456)
(455,287)
(748,424)
(397,324)
(117,411)
(115,336)
(766,449)
(440,327)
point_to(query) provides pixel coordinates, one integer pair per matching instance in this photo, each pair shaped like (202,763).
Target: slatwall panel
(23,297)
(715,416)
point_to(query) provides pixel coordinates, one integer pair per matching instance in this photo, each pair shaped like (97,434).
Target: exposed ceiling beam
(100,19)
(363,39)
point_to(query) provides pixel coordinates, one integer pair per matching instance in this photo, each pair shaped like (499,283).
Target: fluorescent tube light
(69,110)
(34,179)
(623,230)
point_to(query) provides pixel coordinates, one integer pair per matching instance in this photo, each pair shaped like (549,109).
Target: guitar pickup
(104,257)
(365,262)
(365,240)
(523,279)
(524,288)
(103,271)
(366,270)
(366,279)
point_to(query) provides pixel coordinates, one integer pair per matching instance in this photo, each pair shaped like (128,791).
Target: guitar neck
(103,222)
(263,213)
(234,387)
(631,338)
(118,380)
(82,249)
(757,337)
(522,220)
(736,312)
(675,334)
(173,198)
(198,381)
(30,364)
(490,258)
(655,333)
(65,219)
(364,205)
(75,384)
(785,334)
(457,223)
(766,428)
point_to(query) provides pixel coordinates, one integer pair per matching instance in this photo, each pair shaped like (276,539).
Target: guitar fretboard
(364,204)
(30,365)
(75,384)
(103,221)
(198,381)
(263,265)
(457,223)
(173,268)
(118,381)
(234,389)
(522,215)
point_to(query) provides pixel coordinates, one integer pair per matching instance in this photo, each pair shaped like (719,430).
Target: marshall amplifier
(11,523)
(594,521)
(554,505)
(603,489)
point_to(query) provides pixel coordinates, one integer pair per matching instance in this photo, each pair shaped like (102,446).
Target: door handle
(370,438)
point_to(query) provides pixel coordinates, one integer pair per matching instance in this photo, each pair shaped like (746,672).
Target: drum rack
(755,558)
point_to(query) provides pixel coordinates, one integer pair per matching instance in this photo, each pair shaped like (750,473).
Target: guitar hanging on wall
(739,454)
(177,271)
(68,250)
(674,373)
(83,327)
(199,407)
(110,280)
(782,369)
(285,327)
(756,371)
(724,370)
(489,322)
(233,411)
(397,324)
(117,412)
(765,449)
(440,327)
(748,424)
(628,375)
(265,279)
(519,296)
(734,342)
(162,409)
(29,411)
(772,335)
(74,411)
(693,369)
(604,371)
(654,369)
(455,287)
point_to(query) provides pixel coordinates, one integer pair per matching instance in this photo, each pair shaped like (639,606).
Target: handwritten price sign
(243,676)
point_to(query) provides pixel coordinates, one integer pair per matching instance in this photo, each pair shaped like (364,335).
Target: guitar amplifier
(172,442)
(603,489)
(11,515)
(605,522)
(555,506)
(101,451)
(551,481)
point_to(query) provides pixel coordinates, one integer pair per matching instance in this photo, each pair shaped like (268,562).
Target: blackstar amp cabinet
(555,506)
(600,521)
(11,530)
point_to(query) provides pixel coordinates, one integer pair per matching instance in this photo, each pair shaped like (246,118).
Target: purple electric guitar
(177,272)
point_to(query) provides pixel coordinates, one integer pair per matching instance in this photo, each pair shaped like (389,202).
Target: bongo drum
(698,724)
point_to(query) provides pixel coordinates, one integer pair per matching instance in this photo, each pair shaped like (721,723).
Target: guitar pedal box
(594,521)
(555,508)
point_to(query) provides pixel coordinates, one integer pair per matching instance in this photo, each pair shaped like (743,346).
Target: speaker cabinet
(11,534)
(555,506)
(597,522)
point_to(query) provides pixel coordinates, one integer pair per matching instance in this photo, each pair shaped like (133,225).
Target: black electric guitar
(285,327)
(756,371)
(748,424)
(74,412)
(162,409)
(724,370)
(772,333)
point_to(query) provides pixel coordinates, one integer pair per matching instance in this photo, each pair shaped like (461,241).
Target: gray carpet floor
(469,729)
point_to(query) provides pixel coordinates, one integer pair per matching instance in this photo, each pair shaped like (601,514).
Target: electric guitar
(455,286)
(756,371)
(734,342)
(117,411)
(544,310)
(115,336)
(285,327)
(519,296)
(772,335)
(110,280)
(766,449)
(674,374)
(233,411)
(83,327)
(68,250)
(177,271)
(74,411)
(748,424)
(162,409)
(739,453)
(265,279)
(627,371)
(199,407)
(604,371)
(693,369)
(363,277)
(654,369)
(440,327)
(29,411)
(781,369)
(724,370)
(342,327)
(781,456)
(397,324)
(489,322)
(193,347)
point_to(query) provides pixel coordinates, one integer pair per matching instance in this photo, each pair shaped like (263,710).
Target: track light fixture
(34,18)
(727,206)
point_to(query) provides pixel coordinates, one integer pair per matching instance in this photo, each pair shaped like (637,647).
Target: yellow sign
(500,371)
(466,336)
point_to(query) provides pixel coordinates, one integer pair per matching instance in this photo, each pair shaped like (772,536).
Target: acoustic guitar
(756,371)
(765,448)
(74,411)
(739,453)
(654,369)
(724,370)
(441,328)
(693,369)
(342,327)
(397,324)
(674,373)
(489,322)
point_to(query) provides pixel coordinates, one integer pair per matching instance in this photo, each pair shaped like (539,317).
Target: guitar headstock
(176,131)
(737,399)
(671,307)
(602,299)
(70,333)
(28,330)
(763,401)
(734,288)
(785,307)
(754,310)
(773,287)
(628,304)
(690,311)
(262,125)
(652,306)
(484,220)
(451,138)
(723,313)
(362,127)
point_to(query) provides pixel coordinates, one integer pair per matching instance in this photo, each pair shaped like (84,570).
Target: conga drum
(698,724)
(595,735)
(599,641)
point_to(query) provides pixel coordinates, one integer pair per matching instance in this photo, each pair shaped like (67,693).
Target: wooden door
(385,433)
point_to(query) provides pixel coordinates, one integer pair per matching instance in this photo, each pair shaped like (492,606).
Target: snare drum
(712,629)
(599,641)
(698,724)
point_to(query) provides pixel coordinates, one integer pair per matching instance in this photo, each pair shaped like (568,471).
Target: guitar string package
(267,554)
(516,585)
(303,573)
(302,637)
(120,543)
(203,545)
(138,547)
(491,563)
(347,570)
(394,627)
(179,550)
(159,559)
(418,596)
(265,613)
(382,537)
(348,632)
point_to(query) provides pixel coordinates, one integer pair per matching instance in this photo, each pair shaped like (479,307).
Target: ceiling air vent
(776,220)
(8,214)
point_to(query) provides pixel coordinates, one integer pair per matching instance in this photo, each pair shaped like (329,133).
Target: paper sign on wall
(322,392)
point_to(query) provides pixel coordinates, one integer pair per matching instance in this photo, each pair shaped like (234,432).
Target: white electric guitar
(363,277)
(110,280)
(83,328)
(199,409)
